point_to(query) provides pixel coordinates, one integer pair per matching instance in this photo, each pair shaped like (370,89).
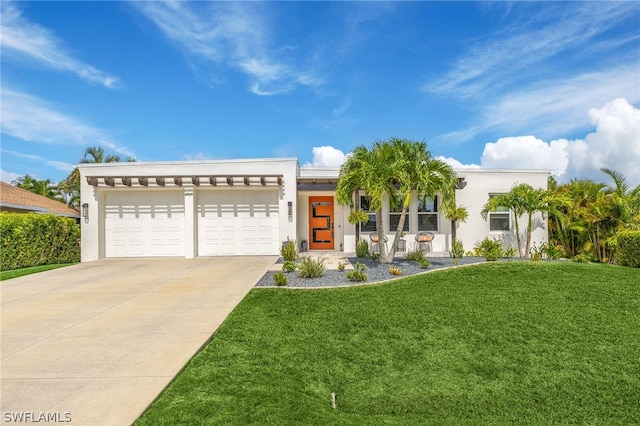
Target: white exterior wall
(481,183)
(93,230)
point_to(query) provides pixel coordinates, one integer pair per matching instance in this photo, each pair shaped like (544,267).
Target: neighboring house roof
(20,200)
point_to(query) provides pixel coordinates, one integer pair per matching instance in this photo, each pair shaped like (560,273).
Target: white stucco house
(250,206)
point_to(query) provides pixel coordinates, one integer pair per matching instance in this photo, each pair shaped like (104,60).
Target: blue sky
(551,85)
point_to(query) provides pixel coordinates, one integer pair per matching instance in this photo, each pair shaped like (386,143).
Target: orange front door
(321,223)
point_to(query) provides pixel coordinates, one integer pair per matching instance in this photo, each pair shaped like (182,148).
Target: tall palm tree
(44,187)
(395,169)
(523,200)
(95,154)
(373,172)
(419,174)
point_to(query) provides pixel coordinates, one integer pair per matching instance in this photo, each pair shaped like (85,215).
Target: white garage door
(238,222)
(141,224)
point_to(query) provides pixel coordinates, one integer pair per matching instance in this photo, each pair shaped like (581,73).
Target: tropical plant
(524,200)
(456,214)
(44,187)
(357,274)
(457,250)
(395,270)
(489,249)
(280,279)
(415,255)
(596,213)
(289,266)
(393,169)
(424,263)
(310,267)
(96,154)
(362,249)
(289,252)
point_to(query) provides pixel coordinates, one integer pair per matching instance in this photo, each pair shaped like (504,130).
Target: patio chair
(373,242)
(423,240)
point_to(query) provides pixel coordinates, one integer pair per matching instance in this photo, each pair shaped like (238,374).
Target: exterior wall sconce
(85,212)
(290,209)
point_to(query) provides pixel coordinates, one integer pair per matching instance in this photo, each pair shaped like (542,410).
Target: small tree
(456,214)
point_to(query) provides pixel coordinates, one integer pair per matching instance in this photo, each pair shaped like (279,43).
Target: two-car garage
(187,208)
(143,223)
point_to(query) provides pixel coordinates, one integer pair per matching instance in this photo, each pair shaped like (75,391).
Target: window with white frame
(395,211)
(500,218)
(428,213)
(365,206)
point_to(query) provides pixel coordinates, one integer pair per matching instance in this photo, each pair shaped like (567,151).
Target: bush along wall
(37,239)
(628,249)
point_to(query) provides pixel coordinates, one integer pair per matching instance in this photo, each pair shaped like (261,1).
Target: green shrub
(510,252)
(311,268)
(415,255)
(29,239)
(362,249)
(489,249)
(280,279)
(457,251)
(289,251)
(289,266)
(628,249)
(357,274)
(341,266)
(582,258)
(424,263)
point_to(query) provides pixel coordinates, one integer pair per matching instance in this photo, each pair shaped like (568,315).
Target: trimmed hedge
(628,249)
(29,239)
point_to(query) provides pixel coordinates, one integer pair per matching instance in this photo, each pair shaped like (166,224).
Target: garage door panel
(238,222)
(140,224)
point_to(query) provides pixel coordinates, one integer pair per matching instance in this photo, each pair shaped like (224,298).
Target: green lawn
(512,342)
(15,273)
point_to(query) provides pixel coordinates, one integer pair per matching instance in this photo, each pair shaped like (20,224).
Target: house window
(365,206)
(499,218)
(428,214)
(395,211)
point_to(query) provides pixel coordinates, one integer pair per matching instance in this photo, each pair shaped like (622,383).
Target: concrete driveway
(95,343)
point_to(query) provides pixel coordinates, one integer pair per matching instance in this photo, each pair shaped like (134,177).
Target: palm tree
(95,154)
(44,187)
(395,169)
(419,174)
(456,214)
(522,200)
(371,171)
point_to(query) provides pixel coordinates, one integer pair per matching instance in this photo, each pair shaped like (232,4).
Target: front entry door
(321,223)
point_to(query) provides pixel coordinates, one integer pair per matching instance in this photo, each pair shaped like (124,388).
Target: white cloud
(229,34)
(8,177)
(614,144)
(456,164)
(29,118)
(22,40)
(557,107)
(327,156)
(65,167)
(509,55)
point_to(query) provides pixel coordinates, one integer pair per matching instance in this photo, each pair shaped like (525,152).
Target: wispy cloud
(65,167)
(229,34)
(29,118)
(27,41)
(513,54)
(8,177)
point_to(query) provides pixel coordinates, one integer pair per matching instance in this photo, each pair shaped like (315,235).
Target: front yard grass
(513,342)
(15,273)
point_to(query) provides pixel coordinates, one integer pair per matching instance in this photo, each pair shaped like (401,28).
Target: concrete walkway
(95,343)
